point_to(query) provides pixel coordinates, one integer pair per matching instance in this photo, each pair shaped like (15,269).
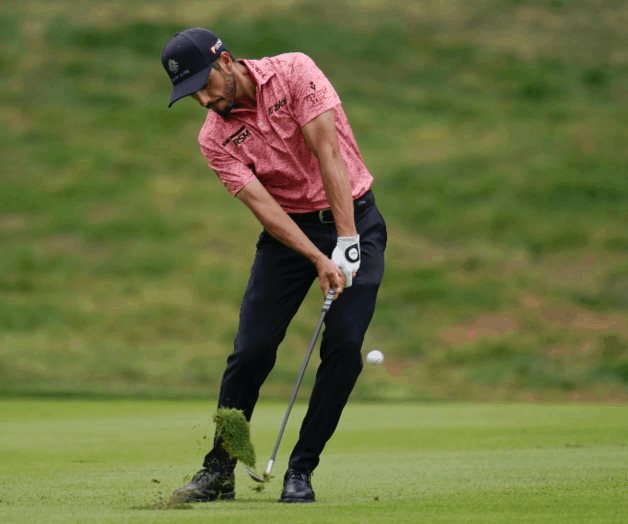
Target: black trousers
(280,279)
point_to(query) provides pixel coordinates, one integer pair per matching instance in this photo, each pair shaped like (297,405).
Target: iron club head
(256,476)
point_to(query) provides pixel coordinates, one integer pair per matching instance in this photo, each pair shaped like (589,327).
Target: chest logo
(276,106)
(238,137)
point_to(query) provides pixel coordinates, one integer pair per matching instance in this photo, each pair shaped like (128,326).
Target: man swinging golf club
(279,140)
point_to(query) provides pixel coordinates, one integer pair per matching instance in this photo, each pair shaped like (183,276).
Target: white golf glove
(346,255)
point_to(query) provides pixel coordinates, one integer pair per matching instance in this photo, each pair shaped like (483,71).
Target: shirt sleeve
(311,91)
(232,173)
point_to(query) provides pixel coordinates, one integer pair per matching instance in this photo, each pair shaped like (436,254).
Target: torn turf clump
(233,429)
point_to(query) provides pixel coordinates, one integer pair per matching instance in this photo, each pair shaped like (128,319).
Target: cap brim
(190,86)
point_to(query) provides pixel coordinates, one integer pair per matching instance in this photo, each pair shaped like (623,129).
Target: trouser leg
(341,361)
(279,281)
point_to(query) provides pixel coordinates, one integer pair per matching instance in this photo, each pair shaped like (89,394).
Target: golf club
(266,475)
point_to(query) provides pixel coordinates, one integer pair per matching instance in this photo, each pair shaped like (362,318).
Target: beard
(229,95)
(226,110)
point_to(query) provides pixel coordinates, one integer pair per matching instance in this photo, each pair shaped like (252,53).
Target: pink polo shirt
(267,142)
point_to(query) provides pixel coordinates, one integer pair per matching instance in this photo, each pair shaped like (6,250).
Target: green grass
(116,461)
(496,134)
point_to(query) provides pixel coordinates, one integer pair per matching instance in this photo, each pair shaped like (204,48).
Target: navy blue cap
(188,58)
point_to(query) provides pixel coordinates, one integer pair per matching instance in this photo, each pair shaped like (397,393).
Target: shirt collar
(258,70)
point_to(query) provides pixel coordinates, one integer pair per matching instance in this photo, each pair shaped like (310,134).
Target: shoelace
(200,475)
(295,474)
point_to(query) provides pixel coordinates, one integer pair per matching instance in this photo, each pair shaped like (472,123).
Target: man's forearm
(320,136)
(338,191)
(277,222)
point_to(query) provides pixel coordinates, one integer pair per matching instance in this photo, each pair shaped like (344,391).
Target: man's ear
(225,61)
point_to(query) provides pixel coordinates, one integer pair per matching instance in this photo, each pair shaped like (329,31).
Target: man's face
(219,93)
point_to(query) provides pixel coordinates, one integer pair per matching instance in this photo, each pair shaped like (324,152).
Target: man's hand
(329,276)
(347,257)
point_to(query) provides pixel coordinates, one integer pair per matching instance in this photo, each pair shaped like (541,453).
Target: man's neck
(247,88)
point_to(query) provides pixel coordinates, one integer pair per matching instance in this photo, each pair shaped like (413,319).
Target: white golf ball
(375,357)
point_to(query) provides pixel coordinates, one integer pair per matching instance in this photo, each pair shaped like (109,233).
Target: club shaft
(326,305)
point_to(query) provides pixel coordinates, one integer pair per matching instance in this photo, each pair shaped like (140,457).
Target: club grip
(329,298)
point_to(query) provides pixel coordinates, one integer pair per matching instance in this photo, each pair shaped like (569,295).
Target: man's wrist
(349,238)
(315,257)
(346,232)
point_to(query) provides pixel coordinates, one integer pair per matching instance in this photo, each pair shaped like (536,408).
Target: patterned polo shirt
(267,143)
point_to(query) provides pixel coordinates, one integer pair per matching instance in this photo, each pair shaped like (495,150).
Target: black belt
(325,216)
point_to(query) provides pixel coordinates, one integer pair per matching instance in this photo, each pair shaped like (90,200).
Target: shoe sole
(288,500)
(230,495)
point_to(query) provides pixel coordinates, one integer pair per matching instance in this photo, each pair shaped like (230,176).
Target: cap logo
(214,49)
(173,66)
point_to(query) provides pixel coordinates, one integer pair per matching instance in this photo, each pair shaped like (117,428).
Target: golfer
(278,139)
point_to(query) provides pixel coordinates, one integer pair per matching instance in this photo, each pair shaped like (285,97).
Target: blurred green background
(495,130)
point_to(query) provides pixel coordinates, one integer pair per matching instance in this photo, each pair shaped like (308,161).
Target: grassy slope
(497,137)
(111,461)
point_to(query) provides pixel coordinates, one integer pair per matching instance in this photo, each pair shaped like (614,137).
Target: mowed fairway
(113,461)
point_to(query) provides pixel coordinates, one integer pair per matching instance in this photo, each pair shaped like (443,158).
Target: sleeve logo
(317,96)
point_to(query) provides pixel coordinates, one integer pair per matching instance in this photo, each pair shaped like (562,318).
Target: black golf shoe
(297,486)
(207,485)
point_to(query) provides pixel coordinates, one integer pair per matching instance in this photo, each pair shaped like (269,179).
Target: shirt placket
(260,114)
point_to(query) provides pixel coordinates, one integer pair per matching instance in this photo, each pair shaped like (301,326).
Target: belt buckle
(321,216)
